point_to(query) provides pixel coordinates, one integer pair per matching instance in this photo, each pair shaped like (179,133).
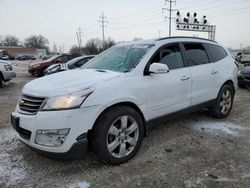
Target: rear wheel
(117,135)
(224,102)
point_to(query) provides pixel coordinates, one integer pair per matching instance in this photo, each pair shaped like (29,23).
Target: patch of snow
(81,184)
(218,127)
(6,135)
(12,167)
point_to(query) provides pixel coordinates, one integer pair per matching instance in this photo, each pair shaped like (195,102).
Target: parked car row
(6,72)
(108,105)
(243,57)
(26,57)
(72,64)
(38,68)
(244,77)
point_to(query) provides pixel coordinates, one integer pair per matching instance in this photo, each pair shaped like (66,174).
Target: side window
(216,52)
(170,55)
(196,54)
(82,62)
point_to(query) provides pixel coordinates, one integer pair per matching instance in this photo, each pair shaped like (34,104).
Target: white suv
(110,103)
(6,72)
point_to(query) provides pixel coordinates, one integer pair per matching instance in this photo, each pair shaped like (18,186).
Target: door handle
(185,78)
(214,71)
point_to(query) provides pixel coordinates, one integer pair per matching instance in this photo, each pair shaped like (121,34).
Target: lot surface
(195,151)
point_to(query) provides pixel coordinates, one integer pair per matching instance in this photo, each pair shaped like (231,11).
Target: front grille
(30,104)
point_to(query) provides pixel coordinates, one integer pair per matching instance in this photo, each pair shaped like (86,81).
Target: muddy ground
(195,151)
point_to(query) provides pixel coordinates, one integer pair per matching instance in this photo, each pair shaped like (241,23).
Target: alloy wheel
(122,136)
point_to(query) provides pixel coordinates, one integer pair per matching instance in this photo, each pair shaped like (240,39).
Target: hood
(5,62)
(67,82)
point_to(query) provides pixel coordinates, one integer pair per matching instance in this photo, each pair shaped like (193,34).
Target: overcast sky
(58,20)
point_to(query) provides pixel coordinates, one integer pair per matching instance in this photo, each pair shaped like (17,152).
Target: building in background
(18,51)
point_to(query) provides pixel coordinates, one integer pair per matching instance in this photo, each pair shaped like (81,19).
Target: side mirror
(158,68)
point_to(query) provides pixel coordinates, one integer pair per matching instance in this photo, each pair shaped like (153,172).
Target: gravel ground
(195,151)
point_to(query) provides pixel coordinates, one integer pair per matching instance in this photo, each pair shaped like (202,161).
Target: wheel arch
(125,103)
(230,83)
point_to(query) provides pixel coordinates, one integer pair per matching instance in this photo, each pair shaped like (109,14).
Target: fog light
(51,137)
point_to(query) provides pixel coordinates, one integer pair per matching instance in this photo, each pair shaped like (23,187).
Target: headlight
(8,67)
(51,137)
(69,101)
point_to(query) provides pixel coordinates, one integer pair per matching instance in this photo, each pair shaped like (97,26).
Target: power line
(170,10)
(103,23)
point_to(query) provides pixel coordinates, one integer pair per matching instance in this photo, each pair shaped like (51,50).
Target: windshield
(119,58)
(52,58)
(72,61)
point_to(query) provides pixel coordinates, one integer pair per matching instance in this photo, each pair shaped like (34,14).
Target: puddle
(218,127)
(81,184)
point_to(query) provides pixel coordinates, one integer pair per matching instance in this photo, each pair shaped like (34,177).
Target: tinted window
(170,55)
(82,62)
(216,52)
(196,54)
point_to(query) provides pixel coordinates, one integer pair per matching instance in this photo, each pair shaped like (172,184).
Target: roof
(154,41)
(185,37)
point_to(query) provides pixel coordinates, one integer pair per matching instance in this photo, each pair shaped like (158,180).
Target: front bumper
(77,151)
(80,121)
(8,75)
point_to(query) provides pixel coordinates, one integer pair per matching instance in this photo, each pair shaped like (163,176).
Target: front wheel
(224,102)
(117,135)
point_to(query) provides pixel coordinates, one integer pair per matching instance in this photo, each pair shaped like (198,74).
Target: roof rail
(176,37)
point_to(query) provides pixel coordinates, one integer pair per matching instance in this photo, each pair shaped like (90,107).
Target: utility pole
(170,10)
(79,37)
(103,23)
(159,33)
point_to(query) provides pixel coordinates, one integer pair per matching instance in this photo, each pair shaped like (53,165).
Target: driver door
(169,92)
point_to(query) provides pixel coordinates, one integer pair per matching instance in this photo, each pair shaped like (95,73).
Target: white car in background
(109,105)
(6,72)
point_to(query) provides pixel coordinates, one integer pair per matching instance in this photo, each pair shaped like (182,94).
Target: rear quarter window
(216,52)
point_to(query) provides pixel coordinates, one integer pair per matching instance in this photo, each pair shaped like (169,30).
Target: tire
(224,102)
(1,80)
(117,135)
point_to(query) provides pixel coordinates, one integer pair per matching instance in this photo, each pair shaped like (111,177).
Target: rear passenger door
(204,74)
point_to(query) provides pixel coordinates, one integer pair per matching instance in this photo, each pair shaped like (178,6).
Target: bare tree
(137,38)
(75,50)
(36,41)
(93,46)
(11,40)
(108,43)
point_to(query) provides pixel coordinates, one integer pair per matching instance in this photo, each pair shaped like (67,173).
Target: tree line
(92,46)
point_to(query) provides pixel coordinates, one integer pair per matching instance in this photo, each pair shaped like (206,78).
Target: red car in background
(38,68)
